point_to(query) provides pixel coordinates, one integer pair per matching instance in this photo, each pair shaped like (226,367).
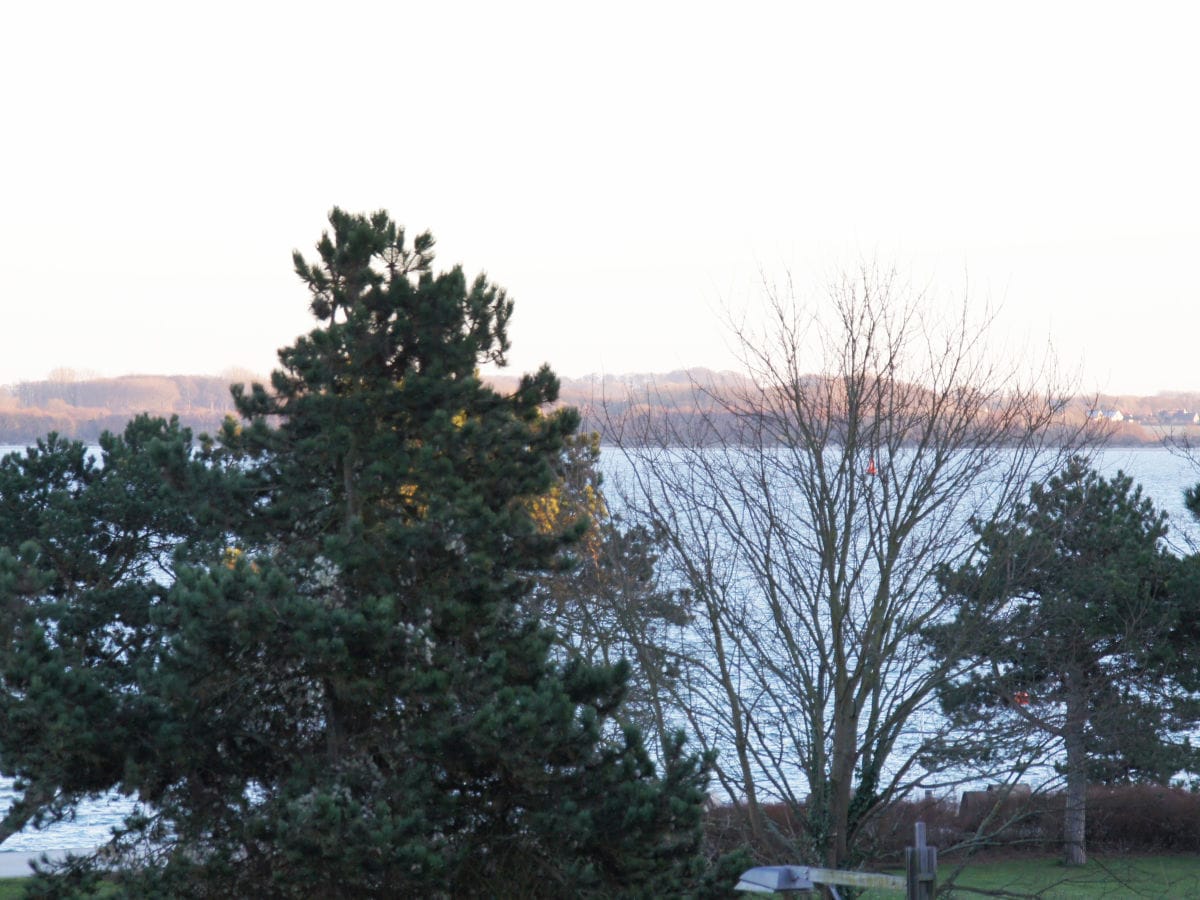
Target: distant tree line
(84,408)
(694,400)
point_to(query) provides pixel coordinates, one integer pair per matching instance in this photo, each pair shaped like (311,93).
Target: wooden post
(920,868)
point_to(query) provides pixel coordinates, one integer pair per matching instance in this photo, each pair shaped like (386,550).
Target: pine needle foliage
(318,669)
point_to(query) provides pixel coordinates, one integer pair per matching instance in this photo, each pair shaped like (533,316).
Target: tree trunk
(841,781)
(1075,815)
(741,744)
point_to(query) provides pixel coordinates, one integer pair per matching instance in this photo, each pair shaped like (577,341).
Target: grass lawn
(1103,876)
(1174,877)
(12,888)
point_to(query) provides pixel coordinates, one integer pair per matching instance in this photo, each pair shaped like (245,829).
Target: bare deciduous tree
(808,514)
(608,607)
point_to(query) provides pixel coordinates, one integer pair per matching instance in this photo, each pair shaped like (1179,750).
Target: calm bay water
(1163,477)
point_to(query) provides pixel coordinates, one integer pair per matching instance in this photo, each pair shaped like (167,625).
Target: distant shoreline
(83,408)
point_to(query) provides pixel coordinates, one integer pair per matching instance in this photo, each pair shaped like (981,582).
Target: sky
(627,171)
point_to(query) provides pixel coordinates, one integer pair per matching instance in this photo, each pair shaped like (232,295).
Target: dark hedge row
(1135,819)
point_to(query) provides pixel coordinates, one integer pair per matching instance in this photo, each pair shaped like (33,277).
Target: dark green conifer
(348,697)
(1067,633)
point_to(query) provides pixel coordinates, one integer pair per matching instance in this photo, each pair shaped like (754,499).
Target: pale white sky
(623,169)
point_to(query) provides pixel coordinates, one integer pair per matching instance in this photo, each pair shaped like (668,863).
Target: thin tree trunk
(1075,815)
(741,744)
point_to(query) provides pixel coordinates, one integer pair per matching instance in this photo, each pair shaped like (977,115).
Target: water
(1163,476)
(778,654)
(93,824)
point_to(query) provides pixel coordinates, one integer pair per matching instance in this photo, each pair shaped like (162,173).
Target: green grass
(13,888)
(1173,877)
(1104,876)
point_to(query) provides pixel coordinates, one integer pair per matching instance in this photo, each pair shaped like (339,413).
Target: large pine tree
(349,698)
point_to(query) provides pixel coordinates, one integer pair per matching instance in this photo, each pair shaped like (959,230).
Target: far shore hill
(84,407)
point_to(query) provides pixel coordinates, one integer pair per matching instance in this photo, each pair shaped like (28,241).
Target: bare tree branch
(808,513)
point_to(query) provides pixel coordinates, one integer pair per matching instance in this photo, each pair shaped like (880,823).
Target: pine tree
(88,548)
(349,698)
(1067,630)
